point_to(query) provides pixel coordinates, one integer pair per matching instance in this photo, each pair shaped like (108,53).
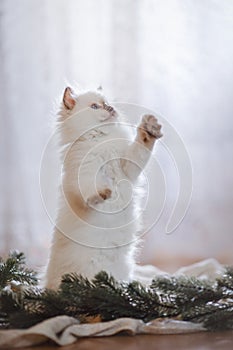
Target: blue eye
(95,106)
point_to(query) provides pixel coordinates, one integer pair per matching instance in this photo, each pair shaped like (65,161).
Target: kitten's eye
(95,106)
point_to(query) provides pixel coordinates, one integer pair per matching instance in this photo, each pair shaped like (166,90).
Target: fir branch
(189,299)
(225,282)
(145,302)
(13,269)
(213,316)
(103,295)
(185,290)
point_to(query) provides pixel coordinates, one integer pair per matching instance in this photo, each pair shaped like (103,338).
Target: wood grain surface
(198,341)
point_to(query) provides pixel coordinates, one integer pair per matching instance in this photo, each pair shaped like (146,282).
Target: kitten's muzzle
(110,109)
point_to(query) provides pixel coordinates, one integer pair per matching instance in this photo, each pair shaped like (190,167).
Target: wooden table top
(197,341)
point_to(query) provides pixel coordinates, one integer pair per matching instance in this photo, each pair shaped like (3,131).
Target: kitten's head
(91,104)
(83,112)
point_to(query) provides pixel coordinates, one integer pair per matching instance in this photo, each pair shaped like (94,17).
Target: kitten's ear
(100,88)
(69,98)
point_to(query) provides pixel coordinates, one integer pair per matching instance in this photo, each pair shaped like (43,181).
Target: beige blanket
(64,330)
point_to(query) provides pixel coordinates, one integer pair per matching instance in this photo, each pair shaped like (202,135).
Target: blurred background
(172,56)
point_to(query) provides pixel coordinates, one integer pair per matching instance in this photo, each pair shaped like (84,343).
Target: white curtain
(173,56)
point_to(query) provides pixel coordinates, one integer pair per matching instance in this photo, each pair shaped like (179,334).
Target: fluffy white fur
(98,225)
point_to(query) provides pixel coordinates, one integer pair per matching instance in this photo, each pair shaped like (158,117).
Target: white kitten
(97,226)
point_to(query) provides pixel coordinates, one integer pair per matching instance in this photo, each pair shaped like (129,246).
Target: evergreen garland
(23,304)
(13,269)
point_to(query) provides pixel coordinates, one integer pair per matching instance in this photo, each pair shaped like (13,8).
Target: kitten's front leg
(100,197)
(138,153)
(148,131)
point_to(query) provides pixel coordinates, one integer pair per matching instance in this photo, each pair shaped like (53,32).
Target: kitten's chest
(104,164)
(101,168)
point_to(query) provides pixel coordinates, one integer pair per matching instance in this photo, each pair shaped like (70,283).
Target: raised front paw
(151,126)
(100,197)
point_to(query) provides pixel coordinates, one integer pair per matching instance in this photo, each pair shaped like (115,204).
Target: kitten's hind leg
(138,153)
